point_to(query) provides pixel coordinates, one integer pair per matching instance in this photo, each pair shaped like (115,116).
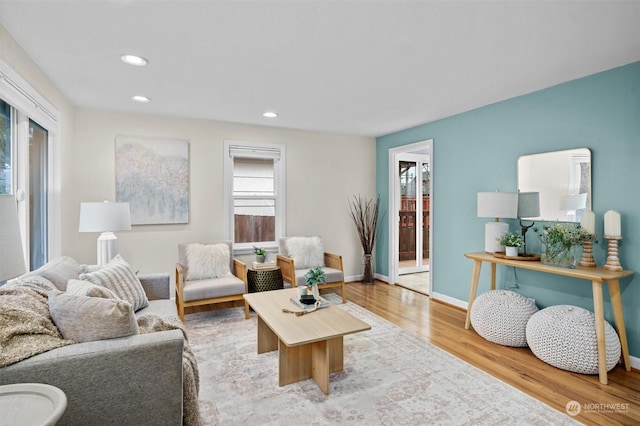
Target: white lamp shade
(102,217)
(11,255)
(498,204)
(528,204)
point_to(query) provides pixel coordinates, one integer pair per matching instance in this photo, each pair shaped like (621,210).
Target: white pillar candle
(612,224)
(588,221)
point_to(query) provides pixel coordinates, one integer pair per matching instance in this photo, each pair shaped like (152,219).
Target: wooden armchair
(208,291)
(332,267)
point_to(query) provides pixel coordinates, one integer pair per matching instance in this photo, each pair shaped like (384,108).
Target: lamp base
(492,232)
(107,248)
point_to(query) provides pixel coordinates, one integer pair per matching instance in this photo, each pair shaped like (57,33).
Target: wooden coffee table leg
(320,361)
(267,339)
(294,363)
(336,354)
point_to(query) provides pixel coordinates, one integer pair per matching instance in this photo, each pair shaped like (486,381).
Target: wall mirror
(563,179)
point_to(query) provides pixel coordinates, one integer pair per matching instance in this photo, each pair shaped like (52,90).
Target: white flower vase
(511,251)
(315,292)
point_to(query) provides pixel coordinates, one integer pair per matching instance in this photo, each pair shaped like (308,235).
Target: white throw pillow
(306,252)
(205,261)
(85,319)
(118,277)
(87,288)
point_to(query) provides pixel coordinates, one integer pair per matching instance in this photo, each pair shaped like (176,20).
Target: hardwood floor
(443,326)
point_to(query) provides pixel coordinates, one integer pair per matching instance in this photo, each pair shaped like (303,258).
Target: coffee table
(309,346)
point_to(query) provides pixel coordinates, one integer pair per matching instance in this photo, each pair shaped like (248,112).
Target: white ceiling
(356,67)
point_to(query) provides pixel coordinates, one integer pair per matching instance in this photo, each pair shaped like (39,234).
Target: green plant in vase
(314,277)
(560,241)
(261,254)
(512,241)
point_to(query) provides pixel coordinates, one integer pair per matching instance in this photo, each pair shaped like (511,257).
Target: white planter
(511,251)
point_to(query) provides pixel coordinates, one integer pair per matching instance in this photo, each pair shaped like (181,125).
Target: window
(28,124)
(254,194)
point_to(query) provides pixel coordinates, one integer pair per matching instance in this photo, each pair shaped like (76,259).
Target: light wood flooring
(443,326)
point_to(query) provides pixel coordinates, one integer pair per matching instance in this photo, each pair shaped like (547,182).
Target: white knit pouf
(565,337)
(501,316)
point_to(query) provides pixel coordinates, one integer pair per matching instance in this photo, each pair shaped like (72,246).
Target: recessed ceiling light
(140,98)
(138,61)
(270,114)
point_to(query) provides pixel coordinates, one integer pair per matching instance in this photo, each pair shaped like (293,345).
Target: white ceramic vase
(511,251)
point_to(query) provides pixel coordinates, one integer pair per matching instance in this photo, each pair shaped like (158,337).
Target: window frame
(27,104)
(244,149)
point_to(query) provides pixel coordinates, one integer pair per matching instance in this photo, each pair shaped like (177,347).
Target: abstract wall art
(152,175)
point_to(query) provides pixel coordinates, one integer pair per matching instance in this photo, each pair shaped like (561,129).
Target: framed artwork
(152,175)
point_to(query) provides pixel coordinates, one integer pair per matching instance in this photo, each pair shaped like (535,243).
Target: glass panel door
(413,213)
(407,214)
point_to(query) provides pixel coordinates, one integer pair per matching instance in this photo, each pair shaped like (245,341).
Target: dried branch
(364,213)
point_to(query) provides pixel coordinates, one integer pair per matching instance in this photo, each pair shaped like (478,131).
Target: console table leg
(475,276)
(599,313)
(616,303)
(493,276)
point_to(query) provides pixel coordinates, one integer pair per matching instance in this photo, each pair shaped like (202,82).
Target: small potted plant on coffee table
(314,277)
(511,241)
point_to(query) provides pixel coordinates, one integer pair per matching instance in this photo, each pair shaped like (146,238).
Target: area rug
(390,377)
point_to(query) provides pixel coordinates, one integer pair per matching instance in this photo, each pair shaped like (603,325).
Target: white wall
(323,172)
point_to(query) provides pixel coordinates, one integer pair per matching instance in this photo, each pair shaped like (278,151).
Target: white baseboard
(635,362)
(449,300)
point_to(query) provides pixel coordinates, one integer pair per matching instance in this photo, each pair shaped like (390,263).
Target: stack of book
(264,265)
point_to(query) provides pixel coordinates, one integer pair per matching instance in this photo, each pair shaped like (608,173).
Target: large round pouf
(501,316)
(565,337)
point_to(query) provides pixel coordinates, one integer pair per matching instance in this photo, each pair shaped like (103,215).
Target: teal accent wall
(478,150)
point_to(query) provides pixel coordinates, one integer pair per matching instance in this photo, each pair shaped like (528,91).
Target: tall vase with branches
(364,212)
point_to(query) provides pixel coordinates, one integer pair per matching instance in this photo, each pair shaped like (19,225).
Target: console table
(597,276)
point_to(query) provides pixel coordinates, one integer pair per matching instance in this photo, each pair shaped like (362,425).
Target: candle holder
(613,263)
(587,254)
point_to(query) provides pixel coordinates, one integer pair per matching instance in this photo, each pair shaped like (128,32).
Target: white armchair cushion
(205,261)
(332,275)
(306,252)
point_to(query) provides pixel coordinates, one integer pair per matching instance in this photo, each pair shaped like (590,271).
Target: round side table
(264,279)
(26,404)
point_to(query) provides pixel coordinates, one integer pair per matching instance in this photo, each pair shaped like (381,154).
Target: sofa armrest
(156,286)
(130,380)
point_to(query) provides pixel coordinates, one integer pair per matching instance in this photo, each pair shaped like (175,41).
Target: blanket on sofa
(149,323)
(26,327)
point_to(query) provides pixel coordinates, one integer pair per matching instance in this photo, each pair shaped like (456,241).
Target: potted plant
(511,241)
(314,277)
(261,254)
(559,242)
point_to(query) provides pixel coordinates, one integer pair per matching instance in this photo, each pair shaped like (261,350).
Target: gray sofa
(122,381)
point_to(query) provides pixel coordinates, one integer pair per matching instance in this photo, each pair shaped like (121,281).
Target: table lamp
(105,218)
(528,207)
(497,205)
(12,262)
